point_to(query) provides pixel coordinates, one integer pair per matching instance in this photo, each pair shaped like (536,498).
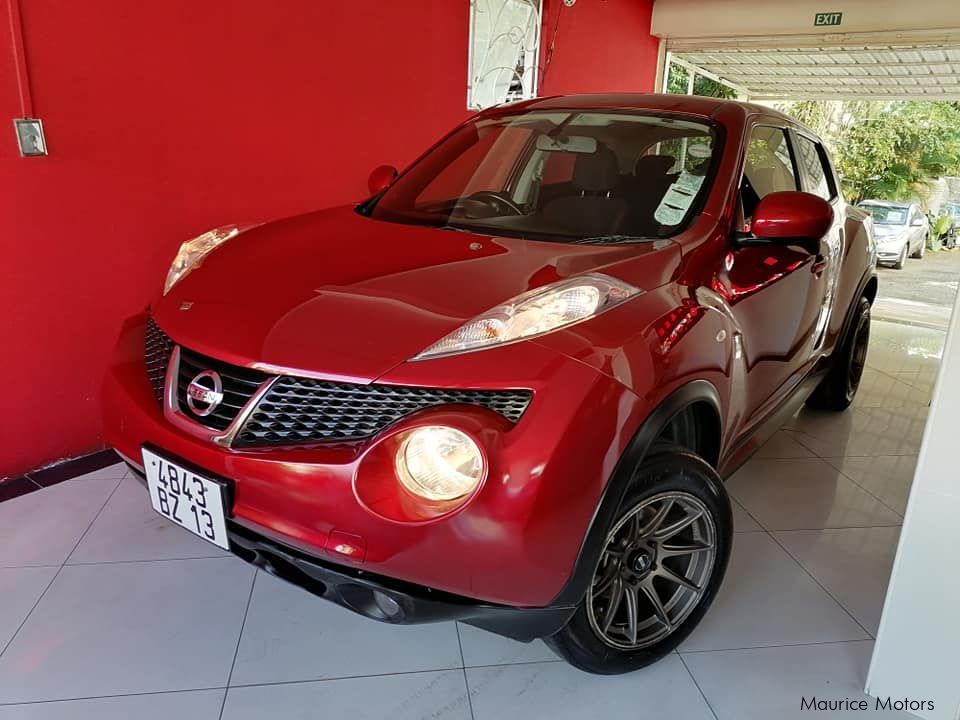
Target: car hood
(344,296)
(890,232)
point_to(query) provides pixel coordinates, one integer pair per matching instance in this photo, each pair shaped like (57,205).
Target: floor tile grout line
(699,689)
(867,490)
(280,683)
(59,570)
(826,459)
(798,437)
(821,585)
(814,456)
(874,455)
(832,527)
(463,663)
(394,674)
(107,697)
(99,512)
(774,647)
(143,561)
(236,650)
(889,374)
(748,514)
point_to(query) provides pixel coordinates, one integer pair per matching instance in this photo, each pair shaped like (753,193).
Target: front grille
(301,410)
(239,385)
(156,354)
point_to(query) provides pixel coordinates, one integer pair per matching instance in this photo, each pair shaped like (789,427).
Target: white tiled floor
(108,612)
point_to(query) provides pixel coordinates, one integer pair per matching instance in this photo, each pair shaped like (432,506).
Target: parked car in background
(901,230)
(951,210)
(506,388)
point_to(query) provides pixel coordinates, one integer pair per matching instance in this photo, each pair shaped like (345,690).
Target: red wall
(599,46)
(166,119)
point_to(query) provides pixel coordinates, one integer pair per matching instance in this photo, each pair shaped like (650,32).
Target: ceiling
(873,72)
(875,49)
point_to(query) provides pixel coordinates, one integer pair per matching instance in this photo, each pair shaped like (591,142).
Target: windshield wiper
(603,239)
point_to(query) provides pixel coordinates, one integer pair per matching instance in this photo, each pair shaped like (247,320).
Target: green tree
(886,150)
(865,153)
(679,78)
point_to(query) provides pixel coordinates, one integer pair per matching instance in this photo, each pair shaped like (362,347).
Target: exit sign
(832,18)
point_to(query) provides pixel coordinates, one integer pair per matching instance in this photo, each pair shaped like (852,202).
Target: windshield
(886,215)
(568,176)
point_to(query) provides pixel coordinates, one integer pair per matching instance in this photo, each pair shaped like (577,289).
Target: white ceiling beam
(754,68)
(693,68)
(931,91)
(909,79)
(871,81)
(946,38)
(806,95)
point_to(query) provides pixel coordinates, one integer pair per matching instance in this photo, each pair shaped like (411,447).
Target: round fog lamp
(439,463)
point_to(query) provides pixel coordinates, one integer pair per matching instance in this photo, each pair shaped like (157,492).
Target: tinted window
(560,175)
(886,215)
(810,157)
(768,168)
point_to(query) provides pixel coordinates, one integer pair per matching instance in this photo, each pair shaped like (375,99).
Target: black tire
(837,390)
(918,253)
(685,481)
(902,260)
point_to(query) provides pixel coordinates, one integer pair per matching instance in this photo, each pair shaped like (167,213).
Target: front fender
(625,471)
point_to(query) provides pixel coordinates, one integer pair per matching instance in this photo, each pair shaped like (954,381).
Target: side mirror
(917,222)
(790,217)
(380,178)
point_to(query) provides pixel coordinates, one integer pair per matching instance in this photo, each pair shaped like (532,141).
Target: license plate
(191,501)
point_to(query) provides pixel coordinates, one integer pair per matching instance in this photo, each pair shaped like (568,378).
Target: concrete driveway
(922,293)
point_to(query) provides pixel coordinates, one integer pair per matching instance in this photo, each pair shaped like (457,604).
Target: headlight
(439,463)
(193,251)
(534,313)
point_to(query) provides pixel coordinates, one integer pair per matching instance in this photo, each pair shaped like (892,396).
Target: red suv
(506,388)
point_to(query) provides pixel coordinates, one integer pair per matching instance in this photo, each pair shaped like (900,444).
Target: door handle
(819,265)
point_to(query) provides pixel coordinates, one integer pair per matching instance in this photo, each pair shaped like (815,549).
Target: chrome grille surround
(261,409)
(239,385)
(300,410)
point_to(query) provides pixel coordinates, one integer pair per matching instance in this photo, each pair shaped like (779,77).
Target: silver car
(900,229)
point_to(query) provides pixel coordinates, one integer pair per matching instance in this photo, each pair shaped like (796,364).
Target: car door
(817,177)
(917,229)
(774,290)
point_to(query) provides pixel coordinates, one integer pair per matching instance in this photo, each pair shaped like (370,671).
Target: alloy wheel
(653,571)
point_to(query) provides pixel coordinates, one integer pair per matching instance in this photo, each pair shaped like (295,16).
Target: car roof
(692,104)
(887,203)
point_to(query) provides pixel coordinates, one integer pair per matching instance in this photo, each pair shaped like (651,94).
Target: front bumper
(381,598)
(512,545)
(889,254)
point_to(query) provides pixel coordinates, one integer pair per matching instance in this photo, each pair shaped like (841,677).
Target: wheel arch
(697,428)
(870,289)
(867,287)
(698,400)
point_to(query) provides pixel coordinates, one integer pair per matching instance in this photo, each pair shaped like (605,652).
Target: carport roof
(873,72)
(881,49)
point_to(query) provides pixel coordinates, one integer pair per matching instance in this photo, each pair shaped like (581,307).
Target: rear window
(813,161)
